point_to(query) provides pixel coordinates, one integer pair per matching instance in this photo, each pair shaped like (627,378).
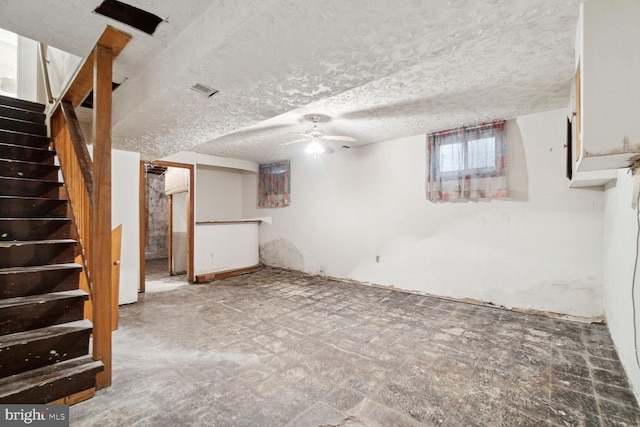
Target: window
(467,163)
(274,181)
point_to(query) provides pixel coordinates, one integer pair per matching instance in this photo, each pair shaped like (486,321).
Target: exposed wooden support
(210,277)
(101,271)
(191,277)
(143,225)
(112,39)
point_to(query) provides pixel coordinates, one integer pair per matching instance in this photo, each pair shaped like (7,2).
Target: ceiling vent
(204,90)
(130,15)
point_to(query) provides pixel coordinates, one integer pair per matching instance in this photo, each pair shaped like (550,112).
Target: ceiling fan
(318,139)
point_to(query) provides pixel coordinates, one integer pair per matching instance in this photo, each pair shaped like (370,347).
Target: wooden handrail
(79,145)
(45,71)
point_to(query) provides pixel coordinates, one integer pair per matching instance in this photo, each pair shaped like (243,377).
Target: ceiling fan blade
(295,142)
(301,134)
(340,138)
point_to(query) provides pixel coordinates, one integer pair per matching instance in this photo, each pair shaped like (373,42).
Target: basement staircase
(44,339)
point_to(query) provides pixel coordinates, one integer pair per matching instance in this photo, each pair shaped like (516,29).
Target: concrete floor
(277,348)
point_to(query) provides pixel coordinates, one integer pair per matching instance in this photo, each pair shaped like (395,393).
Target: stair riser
(19,103)
(13,187)
(26,115)
(22,126)
(28,170)
(23,139)
(21,284)
(26,154)
(23,229)
(50,391)
(41,352)
(33,208)
(40,315)
(41,254)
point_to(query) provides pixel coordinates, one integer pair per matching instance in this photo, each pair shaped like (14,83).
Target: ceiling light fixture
(314,148)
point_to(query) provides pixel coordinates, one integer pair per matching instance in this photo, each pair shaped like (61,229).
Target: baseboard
(219,275)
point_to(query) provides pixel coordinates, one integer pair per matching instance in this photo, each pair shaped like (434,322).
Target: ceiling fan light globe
(314,148)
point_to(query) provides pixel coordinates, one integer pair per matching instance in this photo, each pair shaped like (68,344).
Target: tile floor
(277,348)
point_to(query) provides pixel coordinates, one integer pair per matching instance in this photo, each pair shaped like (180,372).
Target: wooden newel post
(101,271)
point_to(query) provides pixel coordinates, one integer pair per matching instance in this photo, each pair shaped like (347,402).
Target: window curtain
(274,181)
(467,164)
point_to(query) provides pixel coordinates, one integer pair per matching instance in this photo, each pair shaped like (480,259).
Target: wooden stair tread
(29,198)
(18,120)
(25,134)
(55,219)
(31,378)
(42,298)
(25,337)
(16,243)
(30,180)
(21,113)
(46,384)
(40,268)
(21,104)
(24,126)
(26,153)
(37,149)
(27,163)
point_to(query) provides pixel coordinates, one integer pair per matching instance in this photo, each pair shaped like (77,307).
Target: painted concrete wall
(619,247)
(540,250)
(218,193)
(157,218)
(223,247)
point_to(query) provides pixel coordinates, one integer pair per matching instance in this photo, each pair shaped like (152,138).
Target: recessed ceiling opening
(88,101)
(130,15)
(204,89)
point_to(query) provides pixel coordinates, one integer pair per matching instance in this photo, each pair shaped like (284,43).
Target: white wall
(125,210)
(27,69)
(179,232)
(62,67)
(218,193)
(541,250)
(223,247)
(125,167)
(620,231)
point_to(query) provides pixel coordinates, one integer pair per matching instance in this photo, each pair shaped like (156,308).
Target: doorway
(166,224)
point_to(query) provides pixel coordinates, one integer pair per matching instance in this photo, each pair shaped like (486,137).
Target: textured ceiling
(372,70)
